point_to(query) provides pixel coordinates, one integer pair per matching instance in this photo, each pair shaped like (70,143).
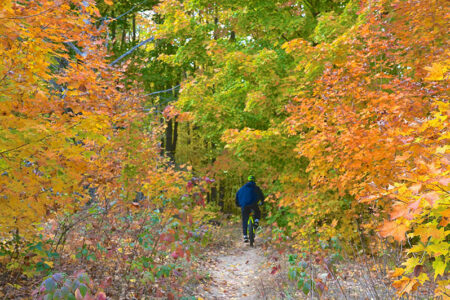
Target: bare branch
(131,50)
(164,91)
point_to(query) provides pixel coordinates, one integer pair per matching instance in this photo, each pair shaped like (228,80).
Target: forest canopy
(139,116)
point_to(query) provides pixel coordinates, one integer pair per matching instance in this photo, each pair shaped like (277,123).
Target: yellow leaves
(429,230)
(49,263)
(439,266)
(397,272)
(438,249)
(108,2)
(296,45)
(422,278)
(334,223)
(438,71)
(416,248)
(411,263)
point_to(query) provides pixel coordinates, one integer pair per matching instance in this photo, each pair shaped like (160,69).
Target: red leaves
(275,269)
(179,252)
(417,270)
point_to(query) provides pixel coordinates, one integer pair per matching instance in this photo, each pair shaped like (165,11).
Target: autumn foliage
(339,108)
(58,107)
(82,175)
(375,127)
(345,119)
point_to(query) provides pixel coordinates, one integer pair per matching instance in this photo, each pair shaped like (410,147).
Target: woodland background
(126,126)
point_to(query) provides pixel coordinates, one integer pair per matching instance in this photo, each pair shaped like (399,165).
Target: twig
(337,280)
(365,262)
(369,290)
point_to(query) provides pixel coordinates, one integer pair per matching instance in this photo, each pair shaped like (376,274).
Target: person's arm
(237,200)
(260,196)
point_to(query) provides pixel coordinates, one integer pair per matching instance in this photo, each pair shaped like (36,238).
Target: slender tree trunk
(168,143)
(232,36)
(134,29)
(214,194)
(175,137)
(124,34)
(113,29)
(171,138)
(188,133)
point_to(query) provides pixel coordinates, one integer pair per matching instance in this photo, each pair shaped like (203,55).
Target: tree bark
(171,138)
(134,29)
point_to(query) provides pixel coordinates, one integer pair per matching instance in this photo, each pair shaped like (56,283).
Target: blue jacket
(249,194)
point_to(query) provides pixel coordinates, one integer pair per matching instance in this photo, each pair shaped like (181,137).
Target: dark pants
(246,212)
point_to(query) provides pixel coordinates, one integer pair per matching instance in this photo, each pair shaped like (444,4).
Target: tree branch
(164,91)
(75,48)
(131,50)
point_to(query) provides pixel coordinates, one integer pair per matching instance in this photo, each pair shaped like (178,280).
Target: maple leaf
(405,285)
(431,197)
(416,188)
(437,71)
(397,272)
(428,230)
(439,267)
(394,229)
(438,249)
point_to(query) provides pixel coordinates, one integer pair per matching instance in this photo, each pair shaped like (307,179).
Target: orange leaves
(297,46)
(431,197)
(377,134)
(56,134)
(429,230)
(406,285)
(415,188)
(394,229)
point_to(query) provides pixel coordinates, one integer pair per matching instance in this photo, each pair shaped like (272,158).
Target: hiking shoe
(245,239)
(256,224)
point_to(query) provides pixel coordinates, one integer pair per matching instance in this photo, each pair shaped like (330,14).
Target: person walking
(247,198)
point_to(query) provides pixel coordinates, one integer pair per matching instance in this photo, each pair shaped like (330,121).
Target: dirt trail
(237,272)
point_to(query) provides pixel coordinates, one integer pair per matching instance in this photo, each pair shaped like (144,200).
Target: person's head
(251,178)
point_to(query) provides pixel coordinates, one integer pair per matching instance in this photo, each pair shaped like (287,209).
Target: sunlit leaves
(57,110)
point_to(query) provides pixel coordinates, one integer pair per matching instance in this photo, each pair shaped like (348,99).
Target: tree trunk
(134,29)
(113,29)
(124,33)
(171,138)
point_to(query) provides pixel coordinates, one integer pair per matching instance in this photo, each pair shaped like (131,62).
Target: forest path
(237,272)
